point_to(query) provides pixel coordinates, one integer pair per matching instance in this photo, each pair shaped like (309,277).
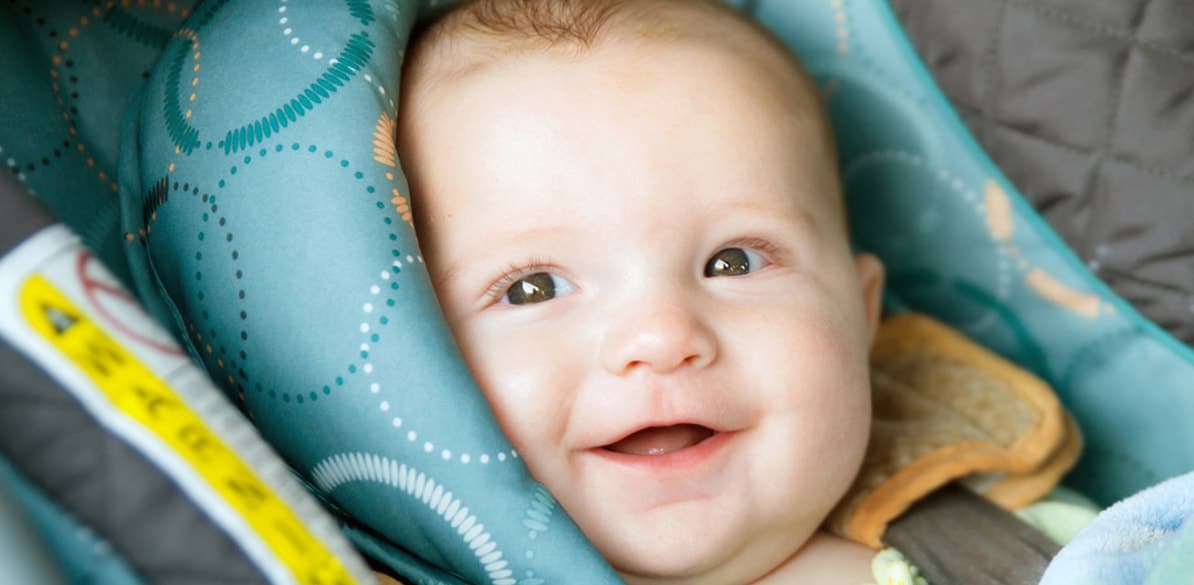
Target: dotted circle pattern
(65,83)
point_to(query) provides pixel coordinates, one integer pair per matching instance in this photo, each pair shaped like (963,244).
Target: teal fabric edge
(129,179)
(24,553)
(143,279)
(1023,208)
(411,568)
(81,556)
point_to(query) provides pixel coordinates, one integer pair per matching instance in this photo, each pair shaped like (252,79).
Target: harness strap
(955,537)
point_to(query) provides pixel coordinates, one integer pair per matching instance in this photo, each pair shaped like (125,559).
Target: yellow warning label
(132,388)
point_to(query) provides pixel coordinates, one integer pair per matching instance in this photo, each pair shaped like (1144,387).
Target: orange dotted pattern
(195,55)
(842,25)
(385,152)
(60,63)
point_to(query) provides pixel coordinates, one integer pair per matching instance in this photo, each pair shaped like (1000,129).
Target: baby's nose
(661,339)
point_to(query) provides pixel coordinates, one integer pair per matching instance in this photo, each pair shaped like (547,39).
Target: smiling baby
(633,219)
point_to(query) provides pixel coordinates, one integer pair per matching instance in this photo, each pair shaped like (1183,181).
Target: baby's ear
(870,277)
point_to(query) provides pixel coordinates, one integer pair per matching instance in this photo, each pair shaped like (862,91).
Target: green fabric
(1060,515)
(892,568)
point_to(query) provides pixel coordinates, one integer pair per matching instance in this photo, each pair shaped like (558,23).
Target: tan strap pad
(945,409)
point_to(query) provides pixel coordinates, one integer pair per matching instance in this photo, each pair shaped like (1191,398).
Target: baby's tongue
(661,440)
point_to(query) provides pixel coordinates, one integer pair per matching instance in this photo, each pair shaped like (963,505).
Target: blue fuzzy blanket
(1147,539)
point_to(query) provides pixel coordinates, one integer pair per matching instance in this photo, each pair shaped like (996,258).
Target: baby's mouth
(661,440)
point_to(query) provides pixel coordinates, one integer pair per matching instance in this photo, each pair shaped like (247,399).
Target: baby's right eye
(536,288)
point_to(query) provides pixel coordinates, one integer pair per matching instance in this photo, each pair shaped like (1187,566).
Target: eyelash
(534,264)
(514,272)
(771,252)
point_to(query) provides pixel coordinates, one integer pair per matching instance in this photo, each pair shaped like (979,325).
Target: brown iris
(534,288)
(728,262)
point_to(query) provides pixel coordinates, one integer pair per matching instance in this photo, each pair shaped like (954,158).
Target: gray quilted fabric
(1088,107)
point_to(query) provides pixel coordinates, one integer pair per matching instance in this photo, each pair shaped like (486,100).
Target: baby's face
(641,256)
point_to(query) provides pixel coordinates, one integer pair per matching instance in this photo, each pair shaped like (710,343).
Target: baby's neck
(824,560)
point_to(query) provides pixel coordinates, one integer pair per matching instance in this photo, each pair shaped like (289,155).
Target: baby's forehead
(460,52)
(479,33)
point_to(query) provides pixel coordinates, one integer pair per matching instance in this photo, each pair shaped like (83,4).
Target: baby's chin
(718,567)
(700,551)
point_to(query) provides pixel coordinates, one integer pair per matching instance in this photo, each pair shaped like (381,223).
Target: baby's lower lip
(680,459)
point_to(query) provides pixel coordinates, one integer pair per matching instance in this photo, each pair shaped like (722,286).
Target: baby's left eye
(538,287)
(734,262)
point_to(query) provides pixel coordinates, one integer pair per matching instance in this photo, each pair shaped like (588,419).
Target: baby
(633,219)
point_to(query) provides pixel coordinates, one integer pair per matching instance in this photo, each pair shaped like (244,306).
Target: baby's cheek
(522,384)
(819,386)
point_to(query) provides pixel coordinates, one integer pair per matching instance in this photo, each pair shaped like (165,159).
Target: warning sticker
(134,389)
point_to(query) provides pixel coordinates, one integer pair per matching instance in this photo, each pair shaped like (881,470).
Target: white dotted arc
(381,89)
(306,49)
(369,310)
(12,164)
(288,32)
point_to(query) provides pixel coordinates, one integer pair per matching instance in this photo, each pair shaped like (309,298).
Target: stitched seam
(1122,87)
(990,57)
(1097,204)
(1164,287)
(1155,171)
(1152,170)
(1077,150)
(1106,30)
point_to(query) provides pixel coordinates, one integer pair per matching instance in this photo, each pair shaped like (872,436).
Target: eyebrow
(797,213)
(452,271)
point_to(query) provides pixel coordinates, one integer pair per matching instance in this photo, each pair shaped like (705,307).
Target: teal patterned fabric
(269,222)
(63,99)
(266,218)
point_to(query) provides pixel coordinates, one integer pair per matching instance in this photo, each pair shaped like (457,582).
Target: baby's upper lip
(626,429)
(610,414)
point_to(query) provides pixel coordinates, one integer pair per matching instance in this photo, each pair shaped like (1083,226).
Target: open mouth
(655,441)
